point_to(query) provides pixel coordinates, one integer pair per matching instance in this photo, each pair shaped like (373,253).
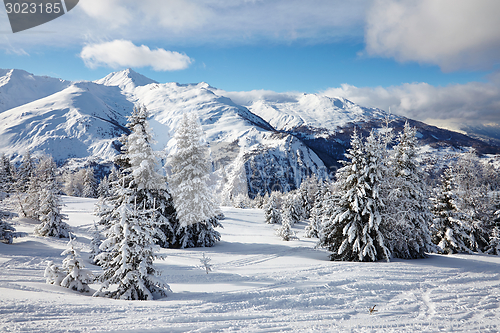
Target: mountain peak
(125,79)
(18,87)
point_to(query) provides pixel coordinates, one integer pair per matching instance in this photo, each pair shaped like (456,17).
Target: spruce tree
(352,233)
(258,201)
(95,244)
(450,229)
(195,207)
(407,215)
(271,210)
(316,216)
(140,175)
(304,198)
(89,184)
(25,172)
(494,242)
(7,231)
(103,190)
(293,206)
(128,254)
(51,219)
(45,203)
(77,277)
(135,216)
(7,174)
(285,231)
(472,197)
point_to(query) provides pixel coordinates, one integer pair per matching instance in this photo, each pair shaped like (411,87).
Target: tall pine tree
(196,208)
(407,217)
(352,233)
(134,217)
(450,229)
(25,172)
(139,173)
(44,202)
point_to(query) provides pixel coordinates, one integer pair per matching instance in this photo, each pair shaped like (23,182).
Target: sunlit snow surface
(258,284)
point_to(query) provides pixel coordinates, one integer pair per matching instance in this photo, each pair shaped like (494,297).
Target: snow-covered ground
(258,284)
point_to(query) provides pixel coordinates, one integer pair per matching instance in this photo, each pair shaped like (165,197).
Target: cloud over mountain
(453,34)
(474,103)
(123,53)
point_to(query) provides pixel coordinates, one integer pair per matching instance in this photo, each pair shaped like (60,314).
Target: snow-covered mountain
(80,123)
(18,87)
(274,139)
(323,114)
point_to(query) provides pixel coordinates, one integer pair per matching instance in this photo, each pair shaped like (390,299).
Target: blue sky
(432,60)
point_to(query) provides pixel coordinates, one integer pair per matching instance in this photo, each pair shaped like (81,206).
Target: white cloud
(454,34)
(123,53)
(474,103)
(195,22)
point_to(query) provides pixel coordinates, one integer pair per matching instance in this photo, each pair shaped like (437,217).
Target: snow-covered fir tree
(292,205)
(73,183)
(494,241)
(89,184)
(77,276)
(450,230)
(7,175)
(7,231)
(316,216)
(114,175)
(43,176)
(271,211)
(43,193)
(140,175)
(95,244)
(407,217)
(128,253)
(52,221)
(103,189)
(241,200)
(285,231)
(194,204)
(135,217)
(25,172)
(472,197)
(352,233)
(258,201)
(304,197)
(53,274)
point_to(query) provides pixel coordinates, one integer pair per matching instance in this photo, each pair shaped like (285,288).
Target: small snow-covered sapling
(206,263)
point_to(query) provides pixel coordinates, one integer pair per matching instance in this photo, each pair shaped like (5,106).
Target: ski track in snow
(258,284)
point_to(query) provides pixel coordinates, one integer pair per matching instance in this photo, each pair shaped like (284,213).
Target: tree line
(383,206)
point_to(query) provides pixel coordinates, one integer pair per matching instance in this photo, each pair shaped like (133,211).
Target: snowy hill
(81,121)
(289,111)
(258,284)
(274,139)
(18,87)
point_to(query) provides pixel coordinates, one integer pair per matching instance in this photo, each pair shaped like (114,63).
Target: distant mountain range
(275,140)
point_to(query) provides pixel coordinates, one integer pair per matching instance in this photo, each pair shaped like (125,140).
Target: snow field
(258,284)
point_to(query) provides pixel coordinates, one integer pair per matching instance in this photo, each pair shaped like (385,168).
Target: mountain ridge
(289,136)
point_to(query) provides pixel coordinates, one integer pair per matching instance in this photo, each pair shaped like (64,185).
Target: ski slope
(258,284)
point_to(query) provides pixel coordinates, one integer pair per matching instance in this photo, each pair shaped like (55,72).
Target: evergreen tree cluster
(72,274)
(383,206)
(81,183)
(139,212)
